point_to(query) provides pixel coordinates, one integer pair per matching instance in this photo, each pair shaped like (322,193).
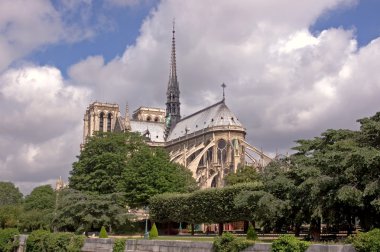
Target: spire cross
(223,86)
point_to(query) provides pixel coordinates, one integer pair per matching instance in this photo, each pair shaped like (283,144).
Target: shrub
(364,242)
(153,232)
(41,240)
(7,241)
(288,243)
(251,233)
(227,242)
(76,243)
(37,241)
(103,233)
(119,245)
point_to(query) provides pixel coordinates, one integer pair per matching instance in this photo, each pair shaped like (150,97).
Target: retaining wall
(106,245)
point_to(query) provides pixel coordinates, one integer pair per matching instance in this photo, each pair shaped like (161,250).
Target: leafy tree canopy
(9,194)
(123,162)
(41,198)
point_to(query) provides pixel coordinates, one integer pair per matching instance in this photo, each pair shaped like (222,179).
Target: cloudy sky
(293,69)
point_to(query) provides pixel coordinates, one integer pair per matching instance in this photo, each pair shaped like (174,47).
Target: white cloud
(41,124)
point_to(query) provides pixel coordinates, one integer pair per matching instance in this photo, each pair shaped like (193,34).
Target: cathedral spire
(173,113)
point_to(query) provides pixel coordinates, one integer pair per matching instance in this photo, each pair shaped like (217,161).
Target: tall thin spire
(173,112)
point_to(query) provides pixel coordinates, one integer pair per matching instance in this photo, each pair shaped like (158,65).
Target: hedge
(42,240)
(7,239)
(213,205)
(364,242)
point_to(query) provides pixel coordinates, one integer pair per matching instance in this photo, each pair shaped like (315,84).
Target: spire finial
(223,86)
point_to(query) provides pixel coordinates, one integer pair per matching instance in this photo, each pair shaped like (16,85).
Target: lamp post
(146,234)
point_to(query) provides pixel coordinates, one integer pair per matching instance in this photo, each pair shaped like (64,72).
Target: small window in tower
(101,121)
(212,119)
(156,119)
(221,117)
(196,126)
(149,119)
(109,121)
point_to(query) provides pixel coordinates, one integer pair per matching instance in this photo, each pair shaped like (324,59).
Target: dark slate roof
(215,115)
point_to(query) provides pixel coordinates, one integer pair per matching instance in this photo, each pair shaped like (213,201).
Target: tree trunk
(315,229)
(220,229)
(297,230)
(246,223)
(350,227)
(192,229)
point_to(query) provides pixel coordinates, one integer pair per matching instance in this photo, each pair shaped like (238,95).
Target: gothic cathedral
(210,142)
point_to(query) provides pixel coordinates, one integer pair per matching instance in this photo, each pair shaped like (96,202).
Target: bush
(103,233)
(76,243)
(288,243)
(251,233)
(37,241)
(153,232)
(227,242)
(119,245)
(7,241)
(364,242)
(42,240)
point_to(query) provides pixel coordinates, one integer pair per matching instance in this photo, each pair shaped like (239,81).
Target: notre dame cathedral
(210,142)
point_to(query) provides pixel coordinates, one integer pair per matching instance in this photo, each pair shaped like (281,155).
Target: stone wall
(106,245)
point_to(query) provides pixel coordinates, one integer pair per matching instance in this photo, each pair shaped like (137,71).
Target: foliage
(80,211)
(227,242)
(41,240)
(37,241)
(245,174)
(122,162)
(10,215)
(149,172)
(38,208)
(7,239)
(102,161)
(103,233)
(212,205)
(41,198)
(288,243)
(153,233)
(9,194)
(119,245)
(251,233)
(366,242)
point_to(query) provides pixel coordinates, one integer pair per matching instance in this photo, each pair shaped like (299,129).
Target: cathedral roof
(154,130)
(215,115)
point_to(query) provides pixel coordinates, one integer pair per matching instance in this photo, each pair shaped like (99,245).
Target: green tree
(80,211)
(41,198)
(10,216)
(123,162)
(102,161)
(38,208)
(9,194)
(150,172)
(245,174)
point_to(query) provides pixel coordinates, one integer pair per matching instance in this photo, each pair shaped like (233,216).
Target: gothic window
(222,151)
(156,119)
(109,120)
(101,121)
(149,119)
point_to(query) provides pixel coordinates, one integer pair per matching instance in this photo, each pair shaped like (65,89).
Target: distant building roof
(215,115)
(154,130)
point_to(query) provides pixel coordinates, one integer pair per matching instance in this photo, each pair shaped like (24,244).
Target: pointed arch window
(101,121)
(109,121)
